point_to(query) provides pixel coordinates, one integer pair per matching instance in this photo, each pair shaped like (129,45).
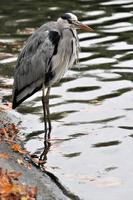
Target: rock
(31,176)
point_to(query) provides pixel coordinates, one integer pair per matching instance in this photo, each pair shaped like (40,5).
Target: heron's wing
(33,63)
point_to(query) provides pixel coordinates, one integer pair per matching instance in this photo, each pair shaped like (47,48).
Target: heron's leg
(43,155)
(48,112)
(44,110)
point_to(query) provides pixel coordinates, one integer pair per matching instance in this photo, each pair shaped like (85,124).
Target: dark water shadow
(106,144)
(83,89)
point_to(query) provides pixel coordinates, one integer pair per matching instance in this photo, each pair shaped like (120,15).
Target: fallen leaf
(6,189)
(4,155)
(17,148)
(10,190)
(9,132)
(22,151)
(4,179)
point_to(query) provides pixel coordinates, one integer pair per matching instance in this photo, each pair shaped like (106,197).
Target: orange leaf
(7,188)
(22,151)
(4,155)
(12,190)
(18,189)
(17,148)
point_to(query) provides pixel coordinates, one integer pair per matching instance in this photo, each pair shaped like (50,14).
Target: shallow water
(92,107)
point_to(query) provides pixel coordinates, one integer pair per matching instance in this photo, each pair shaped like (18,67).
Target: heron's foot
(43,156)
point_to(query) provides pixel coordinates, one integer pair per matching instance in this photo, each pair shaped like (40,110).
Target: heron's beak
(81,26)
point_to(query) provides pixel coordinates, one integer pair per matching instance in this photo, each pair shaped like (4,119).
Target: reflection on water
(92,107)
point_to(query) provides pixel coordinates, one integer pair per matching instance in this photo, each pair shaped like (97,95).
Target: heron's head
(69,20)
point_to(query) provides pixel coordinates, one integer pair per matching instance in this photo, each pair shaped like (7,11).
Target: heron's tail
(19,96)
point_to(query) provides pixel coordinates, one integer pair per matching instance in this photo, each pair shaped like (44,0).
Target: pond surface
(92,107)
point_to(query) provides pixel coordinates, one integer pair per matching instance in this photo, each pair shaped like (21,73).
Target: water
(92,107)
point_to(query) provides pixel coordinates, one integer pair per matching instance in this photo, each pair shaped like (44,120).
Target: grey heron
(47,54)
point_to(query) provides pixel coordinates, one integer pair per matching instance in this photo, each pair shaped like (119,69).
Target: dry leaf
(17,148)
(6,189)
(10,190)
(9,132)
(4,155)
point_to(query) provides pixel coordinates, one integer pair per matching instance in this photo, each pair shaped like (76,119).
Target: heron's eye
(74,22)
